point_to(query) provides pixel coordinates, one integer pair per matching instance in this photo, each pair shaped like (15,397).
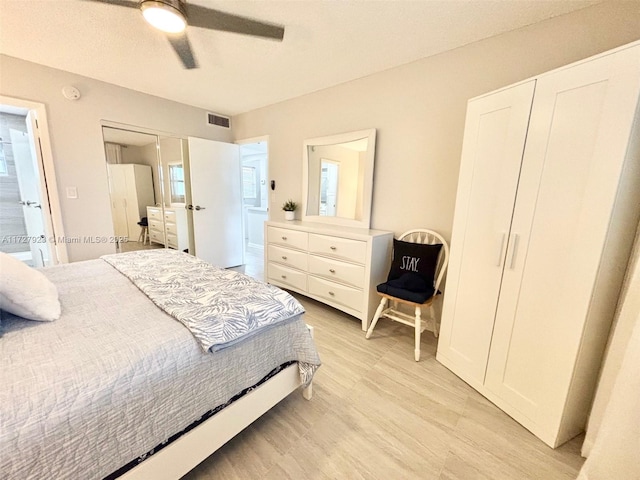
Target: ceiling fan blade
(203,17)
(119,3)
(180,44)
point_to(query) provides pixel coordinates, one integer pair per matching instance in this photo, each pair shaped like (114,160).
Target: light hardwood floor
(377,414)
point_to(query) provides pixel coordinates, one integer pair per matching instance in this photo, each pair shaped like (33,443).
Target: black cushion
(414,258)
(412,271)
(416,297)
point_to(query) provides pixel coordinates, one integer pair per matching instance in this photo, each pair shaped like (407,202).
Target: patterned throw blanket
(220,307)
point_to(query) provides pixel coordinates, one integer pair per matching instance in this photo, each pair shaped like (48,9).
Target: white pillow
(26,292)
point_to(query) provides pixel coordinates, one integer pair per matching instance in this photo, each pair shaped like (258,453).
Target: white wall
(418,110)
(76,137)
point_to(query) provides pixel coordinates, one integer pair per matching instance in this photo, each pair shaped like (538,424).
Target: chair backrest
(429,237)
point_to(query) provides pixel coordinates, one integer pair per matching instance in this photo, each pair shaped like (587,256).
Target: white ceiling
(325,43)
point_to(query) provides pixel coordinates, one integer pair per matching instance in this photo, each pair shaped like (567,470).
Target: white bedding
(114,377)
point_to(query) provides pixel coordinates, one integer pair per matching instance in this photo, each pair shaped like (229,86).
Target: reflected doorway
(254,159)
(329,174)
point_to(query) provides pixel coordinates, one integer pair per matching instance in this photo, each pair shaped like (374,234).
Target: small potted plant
(289,208)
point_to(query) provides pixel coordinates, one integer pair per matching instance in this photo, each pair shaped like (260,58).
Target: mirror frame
(367,191)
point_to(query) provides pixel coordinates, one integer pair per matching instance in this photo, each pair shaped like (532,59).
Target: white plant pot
(289,215)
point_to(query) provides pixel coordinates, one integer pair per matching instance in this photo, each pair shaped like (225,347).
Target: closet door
(495,132)
(578,136)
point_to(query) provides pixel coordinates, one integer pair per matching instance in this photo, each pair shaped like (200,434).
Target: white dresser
(175,222)
(339,266)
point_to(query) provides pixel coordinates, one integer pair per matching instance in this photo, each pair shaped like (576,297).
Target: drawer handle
(332,270)
(332,247)
(284,238)
(283,276)
(284,257)
(332,294)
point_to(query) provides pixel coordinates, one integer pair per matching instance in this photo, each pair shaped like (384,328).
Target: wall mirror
(338,178)
(147,186)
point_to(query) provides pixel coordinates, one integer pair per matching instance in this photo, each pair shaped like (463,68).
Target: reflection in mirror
(176,180)
(338,178)
(329,181)
(147,188)
(132,160)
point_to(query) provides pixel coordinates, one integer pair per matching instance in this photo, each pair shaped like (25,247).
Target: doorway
(254,158)
(27,187)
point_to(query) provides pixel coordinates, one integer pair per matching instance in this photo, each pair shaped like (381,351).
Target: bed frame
(185,453)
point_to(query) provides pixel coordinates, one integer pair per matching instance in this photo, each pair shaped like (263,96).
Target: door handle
(198,207)
(514,250)
(189,207)
(501,251)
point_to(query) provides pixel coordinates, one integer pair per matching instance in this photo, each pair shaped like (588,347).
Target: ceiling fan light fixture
(167,15)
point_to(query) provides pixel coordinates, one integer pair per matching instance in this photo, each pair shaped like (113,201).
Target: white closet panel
(131,188)
(528,330)
(492,151)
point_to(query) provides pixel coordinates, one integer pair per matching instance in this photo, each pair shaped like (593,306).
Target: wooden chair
(393,312)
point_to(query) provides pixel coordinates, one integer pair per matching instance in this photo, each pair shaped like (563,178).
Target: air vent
(218,120)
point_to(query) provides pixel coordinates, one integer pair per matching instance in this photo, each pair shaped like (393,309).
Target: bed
(116,387)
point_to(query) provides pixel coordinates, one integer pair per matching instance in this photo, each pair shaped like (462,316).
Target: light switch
(72,192)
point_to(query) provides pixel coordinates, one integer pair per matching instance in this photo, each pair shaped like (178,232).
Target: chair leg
(436,325)
(418,331)
(376,317)
(146,236)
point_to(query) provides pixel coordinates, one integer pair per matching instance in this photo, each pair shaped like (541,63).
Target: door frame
(46,170)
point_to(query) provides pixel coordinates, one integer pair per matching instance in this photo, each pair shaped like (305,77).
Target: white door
(216,193)
(494,138)
(580,129)
(30,197)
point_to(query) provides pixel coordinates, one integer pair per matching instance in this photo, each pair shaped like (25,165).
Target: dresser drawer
(286,256)
(171,228)
(291,238)
(170,216)
(172,241)
(289,276)
(154,213)
(336,270)
(156,236)
(343,248)
(347,296)
(155,224)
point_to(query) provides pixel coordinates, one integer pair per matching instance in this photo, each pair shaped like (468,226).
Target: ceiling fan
(173,16)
